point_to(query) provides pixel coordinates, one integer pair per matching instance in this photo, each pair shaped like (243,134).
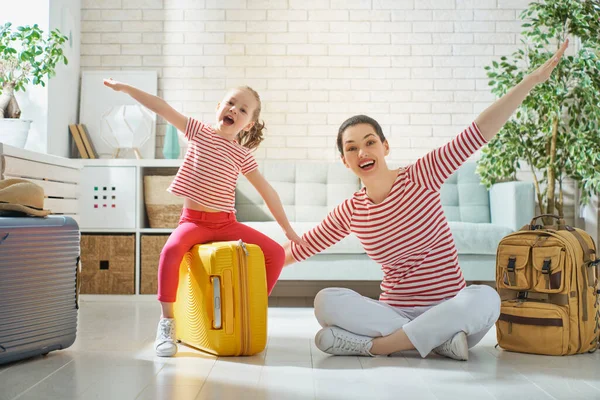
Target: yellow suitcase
(221,305)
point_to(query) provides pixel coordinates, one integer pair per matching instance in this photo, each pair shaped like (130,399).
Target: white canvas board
(96,99)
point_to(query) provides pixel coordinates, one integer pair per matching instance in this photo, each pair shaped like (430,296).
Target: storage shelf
(122,162)
(156,230)
(107,230)
(139,225)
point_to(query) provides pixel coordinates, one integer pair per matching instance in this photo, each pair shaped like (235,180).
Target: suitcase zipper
(242,261)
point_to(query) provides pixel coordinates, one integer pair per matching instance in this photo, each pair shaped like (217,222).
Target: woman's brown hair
(358,119)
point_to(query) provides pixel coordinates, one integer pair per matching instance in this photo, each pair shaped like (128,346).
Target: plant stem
(551,167)
(538,191)
(559,203)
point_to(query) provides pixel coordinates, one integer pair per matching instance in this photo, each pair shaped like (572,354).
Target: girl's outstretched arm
(289,258)
(151,102)
(274,203)
(491,120)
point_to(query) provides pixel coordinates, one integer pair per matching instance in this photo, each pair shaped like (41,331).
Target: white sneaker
(164,344)
(339,342)
(455,348)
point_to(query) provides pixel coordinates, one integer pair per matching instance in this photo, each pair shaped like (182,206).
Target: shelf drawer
(150,248)
(107,264)
(108,197)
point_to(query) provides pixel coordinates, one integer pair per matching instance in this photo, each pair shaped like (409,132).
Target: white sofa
(478,218)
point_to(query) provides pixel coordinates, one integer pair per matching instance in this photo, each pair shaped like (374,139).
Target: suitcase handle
(77,282)
(217,302)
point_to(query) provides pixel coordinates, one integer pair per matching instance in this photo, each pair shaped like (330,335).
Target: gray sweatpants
(473,310)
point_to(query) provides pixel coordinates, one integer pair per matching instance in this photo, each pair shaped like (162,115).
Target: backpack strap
(554,298)
(587,252)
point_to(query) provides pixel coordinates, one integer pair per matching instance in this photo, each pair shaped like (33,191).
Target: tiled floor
(113,358)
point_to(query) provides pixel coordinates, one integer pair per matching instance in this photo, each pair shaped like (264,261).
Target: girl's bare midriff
(192,205)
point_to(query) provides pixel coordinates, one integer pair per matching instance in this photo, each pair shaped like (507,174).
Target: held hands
(114,85)
(542,74)
(291,235)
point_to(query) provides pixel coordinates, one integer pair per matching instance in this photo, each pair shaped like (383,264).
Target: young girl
(398,217)
(207,179)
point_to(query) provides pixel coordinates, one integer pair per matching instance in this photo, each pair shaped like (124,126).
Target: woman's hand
(542,74)
(291,235)
(114,85)
(491,120)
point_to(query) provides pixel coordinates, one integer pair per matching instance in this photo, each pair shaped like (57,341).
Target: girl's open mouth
(228,121)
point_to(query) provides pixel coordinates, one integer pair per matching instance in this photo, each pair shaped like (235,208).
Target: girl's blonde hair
(252,138)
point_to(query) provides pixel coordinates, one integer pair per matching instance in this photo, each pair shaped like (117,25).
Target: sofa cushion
(477,238)
(348,245)
(463,196)
(308,191)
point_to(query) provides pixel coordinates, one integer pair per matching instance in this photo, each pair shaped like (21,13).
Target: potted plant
(25,56)
(556,131)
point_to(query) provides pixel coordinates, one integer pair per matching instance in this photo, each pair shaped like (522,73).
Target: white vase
(14,131)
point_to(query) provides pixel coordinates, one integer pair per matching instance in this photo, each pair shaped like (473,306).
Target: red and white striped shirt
(210,168)
(407,233)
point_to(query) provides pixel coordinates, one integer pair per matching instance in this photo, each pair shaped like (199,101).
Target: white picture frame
(96,99)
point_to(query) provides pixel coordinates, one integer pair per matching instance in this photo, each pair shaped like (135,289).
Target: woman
(398,217)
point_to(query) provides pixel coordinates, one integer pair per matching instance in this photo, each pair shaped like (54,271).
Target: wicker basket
(107,264)
(151,246)
(163,208)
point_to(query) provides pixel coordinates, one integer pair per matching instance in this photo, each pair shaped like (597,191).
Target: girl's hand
(291,235)
(114,85)
(542,74)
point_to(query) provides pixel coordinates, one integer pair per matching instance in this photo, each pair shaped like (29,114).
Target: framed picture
(97,99)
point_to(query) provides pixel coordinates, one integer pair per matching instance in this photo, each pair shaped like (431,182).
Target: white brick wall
(415,66)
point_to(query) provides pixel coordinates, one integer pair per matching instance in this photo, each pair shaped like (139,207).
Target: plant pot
(14,131)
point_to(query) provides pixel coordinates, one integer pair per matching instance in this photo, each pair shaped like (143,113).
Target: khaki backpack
(547,279)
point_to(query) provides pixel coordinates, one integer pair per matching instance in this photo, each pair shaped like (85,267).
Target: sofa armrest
(512,204)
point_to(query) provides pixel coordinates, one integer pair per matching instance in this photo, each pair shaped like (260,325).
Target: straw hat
(23,196)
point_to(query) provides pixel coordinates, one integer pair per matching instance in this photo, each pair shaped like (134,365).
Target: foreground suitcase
(38,277)
(221,305)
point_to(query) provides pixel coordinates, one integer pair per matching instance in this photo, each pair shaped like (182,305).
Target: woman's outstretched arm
(491,120)
(331,230)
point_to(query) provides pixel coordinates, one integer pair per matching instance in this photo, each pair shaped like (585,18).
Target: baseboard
(311,288)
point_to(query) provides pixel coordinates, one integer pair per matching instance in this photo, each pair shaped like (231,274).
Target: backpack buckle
(522,295)
(511,264)
(546,267)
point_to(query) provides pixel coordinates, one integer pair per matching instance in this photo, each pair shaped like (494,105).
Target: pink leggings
(197,227)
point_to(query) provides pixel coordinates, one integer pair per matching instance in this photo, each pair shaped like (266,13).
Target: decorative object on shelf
(162,207)
(87,141)
(26,56)
(14,131)
(555,131)
(81,144)
(127,127)
(171,146)
(96,99)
